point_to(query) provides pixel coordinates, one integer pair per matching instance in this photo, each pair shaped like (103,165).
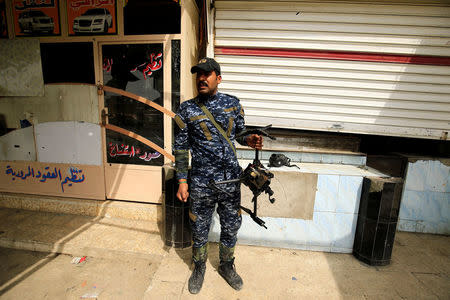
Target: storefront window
(176,53)
(137,69)
(68,62)
(152,17)
(175,82)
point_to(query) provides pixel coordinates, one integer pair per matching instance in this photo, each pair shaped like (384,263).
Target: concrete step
(297,140)
(78,235)
(85,207)
(309,147)
(326,157)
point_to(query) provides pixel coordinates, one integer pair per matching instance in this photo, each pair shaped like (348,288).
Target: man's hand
(183,193)
(255,141)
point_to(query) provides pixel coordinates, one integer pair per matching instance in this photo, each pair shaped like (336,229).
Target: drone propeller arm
(257,220)
(259,131)
(254,176)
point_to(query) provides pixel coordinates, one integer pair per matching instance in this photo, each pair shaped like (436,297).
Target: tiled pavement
(419,269)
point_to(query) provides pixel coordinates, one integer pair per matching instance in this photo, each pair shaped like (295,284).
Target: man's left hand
(255,141)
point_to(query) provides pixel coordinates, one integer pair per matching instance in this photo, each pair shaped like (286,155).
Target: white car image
(35,21)
(93,20)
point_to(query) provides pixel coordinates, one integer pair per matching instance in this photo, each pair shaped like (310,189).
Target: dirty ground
(420,269)
(37,275)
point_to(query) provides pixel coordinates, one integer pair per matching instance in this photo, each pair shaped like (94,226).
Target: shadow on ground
(17,265)
(75,235)
(419,269)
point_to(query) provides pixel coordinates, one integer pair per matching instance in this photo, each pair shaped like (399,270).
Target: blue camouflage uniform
(212,158)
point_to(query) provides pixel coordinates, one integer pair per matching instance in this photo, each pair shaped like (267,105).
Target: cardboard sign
(67,180)
(91,17)
(36,17)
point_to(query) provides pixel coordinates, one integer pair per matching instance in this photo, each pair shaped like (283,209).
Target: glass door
(133,85)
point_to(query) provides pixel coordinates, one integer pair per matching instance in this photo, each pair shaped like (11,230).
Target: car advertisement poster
(91,17)
(36,17)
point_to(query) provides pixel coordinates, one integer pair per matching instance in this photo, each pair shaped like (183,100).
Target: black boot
(196,279)
(227,269)
(199,256)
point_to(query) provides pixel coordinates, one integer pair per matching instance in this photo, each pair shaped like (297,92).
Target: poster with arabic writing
(137,69)
(36,17)
(124,150)
(64,180)
(91,17)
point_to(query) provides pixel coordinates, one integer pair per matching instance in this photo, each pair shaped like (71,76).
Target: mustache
(202,83)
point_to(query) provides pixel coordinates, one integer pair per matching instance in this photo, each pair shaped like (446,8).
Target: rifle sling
(211,118)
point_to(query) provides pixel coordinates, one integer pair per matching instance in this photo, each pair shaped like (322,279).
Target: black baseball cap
(206,64)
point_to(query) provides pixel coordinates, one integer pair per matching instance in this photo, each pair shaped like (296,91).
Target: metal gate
(372,68)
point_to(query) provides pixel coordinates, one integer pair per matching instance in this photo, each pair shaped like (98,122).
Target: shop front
(87,113)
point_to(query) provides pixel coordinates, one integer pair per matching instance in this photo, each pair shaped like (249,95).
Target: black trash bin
(377,220)
(177,231)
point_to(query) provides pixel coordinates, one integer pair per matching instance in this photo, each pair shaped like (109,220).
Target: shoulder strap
(211,118)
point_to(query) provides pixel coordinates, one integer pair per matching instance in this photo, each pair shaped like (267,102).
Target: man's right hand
(183,193)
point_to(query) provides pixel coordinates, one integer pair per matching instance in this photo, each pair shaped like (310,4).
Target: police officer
(210,142)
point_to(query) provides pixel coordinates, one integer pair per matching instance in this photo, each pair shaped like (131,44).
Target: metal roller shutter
(359,66)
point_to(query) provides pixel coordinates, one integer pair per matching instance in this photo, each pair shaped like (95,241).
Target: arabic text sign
(126,150)
(154,63)
(91,17)
(45,174)
(52,179)
(36,17)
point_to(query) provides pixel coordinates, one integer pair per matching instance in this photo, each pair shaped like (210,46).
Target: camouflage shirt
(212,156)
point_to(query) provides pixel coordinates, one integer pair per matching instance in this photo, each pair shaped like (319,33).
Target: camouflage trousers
(201,212)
